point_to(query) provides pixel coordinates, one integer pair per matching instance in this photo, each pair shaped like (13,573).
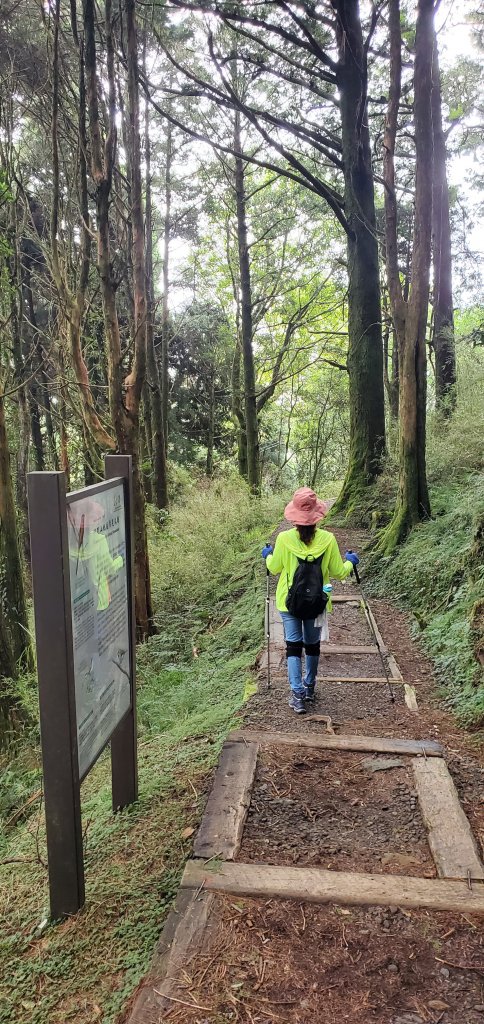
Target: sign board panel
(98,571)
(82,573)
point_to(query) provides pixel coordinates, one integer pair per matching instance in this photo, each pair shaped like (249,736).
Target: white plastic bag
(323,622)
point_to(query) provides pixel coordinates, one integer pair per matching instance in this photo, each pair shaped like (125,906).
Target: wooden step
(453,846)
(342,649)
(344,679)
(353,679)
(374,744)
(317,885)
(220,832)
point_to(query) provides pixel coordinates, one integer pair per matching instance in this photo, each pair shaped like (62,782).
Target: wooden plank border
(410,695)
(220,832)
(392,664)
(451,841)
(373,744)
(183,935)
(317,885)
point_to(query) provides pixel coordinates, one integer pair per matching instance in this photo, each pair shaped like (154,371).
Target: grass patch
(208,585)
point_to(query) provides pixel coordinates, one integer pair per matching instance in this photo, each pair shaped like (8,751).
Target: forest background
(241,243)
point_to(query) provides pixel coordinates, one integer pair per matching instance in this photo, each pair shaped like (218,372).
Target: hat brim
(301,518)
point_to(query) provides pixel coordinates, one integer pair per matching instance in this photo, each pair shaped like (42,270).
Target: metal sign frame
(55,670)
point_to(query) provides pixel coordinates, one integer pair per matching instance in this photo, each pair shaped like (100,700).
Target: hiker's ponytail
(306,533)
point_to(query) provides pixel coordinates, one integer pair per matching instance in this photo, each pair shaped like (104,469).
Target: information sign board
(82,547)
(100,616)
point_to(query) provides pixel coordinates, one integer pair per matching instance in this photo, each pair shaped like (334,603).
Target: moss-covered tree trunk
(365,348)
(15,649)
(413,502)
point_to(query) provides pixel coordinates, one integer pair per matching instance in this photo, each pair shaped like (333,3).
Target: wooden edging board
(449,833)
(373,744)
(410,695)
(317,885)
(184,932)
(220,832)
(376,744)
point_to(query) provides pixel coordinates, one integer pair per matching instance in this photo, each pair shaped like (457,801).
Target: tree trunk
(49,422)
(15,649)
(365,349)
(158,442)
(135,381)
(250,400)
(238,408)
(390,369)
(398,303)
(211,423)
(64,438)
(38,393)
(413,499)
(124,395)
(73,304)
(165,308)
(145,444)
(23,447)
(443,341)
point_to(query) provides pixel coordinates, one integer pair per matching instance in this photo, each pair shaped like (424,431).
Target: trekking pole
(268,629)
(375,637)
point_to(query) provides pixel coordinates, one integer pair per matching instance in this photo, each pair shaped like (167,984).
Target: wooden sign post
(82,572)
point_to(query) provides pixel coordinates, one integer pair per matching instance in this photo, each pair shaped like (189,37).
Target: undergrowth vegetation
(439,572)
(192,679)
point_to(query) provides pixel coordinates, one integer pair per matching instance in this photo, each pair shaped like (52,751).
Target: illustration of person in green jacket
(306,558)
(92,549)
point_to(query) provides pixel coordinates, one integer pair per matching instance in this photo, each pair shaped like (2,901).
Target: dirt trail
(237,950)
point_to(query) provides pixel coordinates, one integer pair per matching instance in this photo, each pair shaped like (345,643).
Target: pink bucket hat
(305,509)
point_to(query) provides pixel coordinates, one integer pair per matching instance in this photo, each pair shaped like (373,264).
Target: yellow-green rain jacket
(289,547)
(100,565)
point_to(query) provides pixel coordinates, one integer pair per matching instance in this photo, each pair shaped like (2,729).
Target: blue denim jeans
(299,631)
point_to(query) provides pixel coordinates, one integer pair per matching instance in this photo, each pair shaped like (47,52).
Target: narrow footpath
(337,874)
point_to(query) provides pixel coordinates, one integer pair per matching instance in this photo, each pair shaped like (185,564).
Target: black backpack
(306,598)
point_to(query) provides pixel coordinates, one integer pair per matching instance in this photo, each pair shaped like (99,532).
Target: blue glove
(351,556)
(267,550)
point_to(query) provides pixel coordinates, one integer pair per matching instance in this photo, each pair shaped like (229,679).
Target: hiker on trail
(306,558)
